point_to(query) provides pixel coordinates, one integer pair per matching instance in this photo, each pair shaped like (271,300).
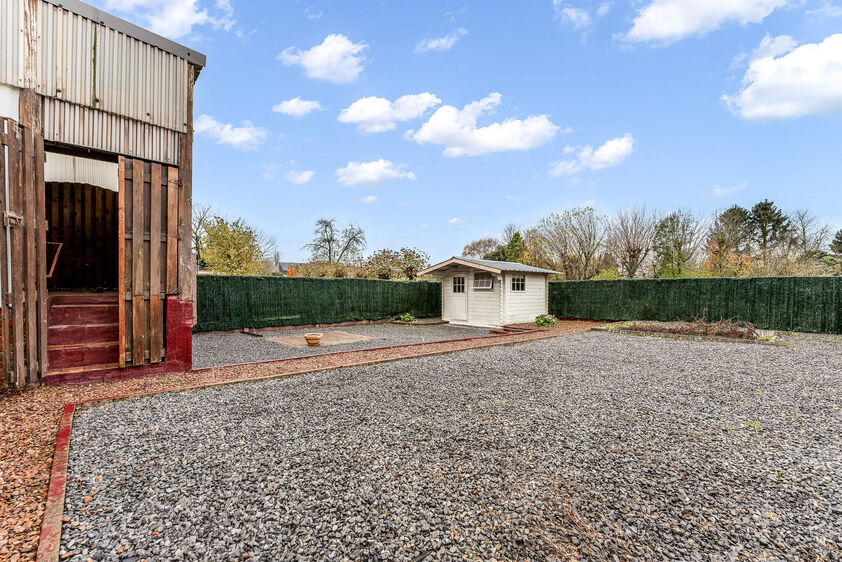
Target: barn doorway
(82,236)
(82,274)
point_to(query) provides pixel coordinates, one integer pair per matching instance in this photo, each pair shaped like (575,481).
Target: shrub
(405,317)
(545,321)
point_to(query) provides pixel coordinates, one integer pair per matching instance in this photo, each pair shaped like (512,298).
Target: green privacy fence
(229,302)
(804,304)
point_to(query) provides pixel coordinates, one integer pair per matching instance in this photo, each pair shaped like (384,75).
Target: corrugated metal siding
(75,169)
(11,23)
(71,124)
(85,63)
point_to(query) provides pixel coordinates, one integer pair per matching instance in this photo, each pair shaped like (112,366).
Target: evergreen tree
(836,245)
(515,248)
(769,226)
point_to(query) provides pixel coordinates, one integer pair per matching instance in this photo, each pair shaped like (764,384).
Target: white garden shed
(490,293)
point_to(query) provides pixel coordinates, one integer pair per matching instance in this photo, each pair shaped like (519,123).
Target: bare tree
(808,233)
(479,248)
(202,215)
(629,239)
(678,237)
(571,242)
(508,233)
(332,246)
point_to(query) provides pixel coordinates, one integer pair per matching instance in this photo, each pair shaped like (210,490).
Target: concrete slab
(328,339)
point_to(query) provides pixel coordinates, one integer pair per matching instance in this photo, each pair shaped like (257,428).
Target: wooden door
(147,229)
(458,298)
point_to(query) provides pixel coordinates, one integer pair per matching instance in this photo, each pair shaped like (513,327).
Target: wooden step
(82,355)
(80,314)
(85,369)
(63,334)
(83,298)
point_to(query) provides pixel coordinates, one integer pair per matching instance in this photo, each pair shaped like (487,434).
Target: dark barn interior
(83,218)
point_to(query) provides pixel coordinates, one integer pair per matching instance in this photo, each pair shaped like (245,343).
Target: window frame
(454,284)
(518,284)
(483,275)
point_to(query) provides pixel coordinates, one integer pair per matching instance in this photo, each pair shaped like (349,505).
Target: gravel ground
(596,444)
(217,349)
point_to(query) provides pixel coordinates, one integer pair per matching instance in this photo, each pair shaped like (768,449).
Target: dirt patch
(328,339)
(699,327)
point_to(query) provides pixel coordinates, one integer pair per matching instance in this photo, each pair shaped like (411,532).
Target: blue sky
(499,112)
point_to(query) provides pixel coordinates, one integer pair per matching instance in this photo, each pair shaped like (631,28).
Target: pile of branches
(725,328)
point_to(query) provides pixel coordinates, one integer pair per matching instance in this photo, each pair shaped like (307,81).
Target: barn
(490,293)
(97,276)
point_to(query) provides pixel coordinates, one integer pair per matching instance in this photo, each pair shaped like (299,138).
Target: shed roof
(487,265)
(118,24)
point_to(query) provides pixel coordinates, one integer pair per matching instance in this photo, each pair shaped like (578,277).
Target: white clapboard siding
(524,306)
(483,304)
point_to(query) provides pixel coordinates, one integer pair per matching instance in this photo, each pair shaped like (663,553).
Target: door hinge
(12,219)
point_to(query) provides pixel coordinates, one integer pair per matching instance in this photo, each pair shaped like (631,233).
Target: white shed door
(458,298)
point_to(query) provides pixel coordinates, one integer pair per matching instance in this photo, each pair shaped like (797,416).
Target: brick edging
(50,540)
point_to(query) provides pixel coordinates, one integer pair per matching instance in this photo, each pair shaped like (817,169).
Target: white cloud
(375,115)
(311,13)
(455,220)
(612,153)
(604,8)
(441,44)
(456,129)
(514,198)
(826,10)
(720,191)
(300,177)
(576,16)
(269,171)
(247,137)
(769,47)
(589,203)
(806,80)
(370,173)
(174,18)
(297,107)
(668,21)
(369,199)
(336,59)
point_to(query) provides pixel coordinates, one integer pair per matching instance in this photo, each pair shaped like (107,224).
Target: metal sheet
(11,36)
(71,124)
(9,102)
(86,63)
(76,169)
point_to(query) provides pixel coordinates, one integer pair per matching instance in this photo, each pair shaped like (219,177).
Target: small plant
(754,424)
(405,317)
(546,321)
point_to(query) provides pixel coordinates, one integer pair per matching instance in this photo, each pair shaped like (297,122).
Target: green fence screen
(234,302)
(803,304)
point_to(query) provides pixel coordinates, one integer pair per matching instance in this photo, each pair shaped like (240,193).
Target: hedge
(229,302)
(803,304)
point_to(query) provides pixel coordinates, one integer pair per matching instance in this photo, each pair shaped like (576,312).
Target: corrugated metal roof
(506,265)
(85,63)
(127,28)
(498,265)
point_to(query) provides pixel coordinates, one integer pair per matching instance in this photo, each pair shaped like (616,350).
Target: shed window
(458,284)
(519,283)
(483,281)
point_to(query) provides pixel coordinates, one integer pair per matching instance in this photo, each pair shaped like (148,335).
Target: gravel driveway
(216,349)
(600,444)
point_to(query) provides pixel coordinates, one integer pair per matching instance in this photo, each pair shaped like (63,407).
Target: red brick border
(48,544)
